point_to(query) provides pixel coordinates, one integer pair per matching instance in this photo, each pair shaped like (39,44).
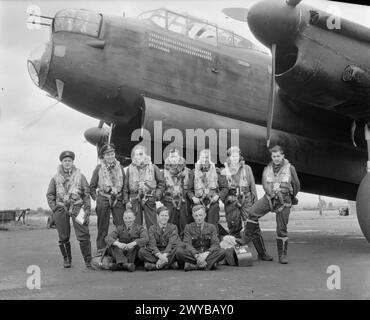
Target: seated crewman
(124,242)
(202,249)
(163,241)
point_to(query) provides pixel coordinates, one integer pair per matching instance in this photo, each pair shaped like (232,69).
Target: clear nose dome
(38,64)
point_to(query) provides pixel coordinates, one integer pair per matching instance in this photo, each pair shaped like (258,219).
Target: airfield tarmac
(316,242)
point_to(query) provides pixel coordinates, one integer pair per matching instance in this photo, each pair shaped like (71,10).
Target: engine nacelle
(310,73)
(97,136)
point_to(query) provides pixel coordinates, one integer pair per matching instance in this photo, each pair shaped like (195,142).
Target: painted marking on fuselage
(164,43)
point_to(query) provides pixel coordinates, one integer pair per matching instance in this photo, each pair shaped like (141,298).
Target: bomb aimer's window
(78,21)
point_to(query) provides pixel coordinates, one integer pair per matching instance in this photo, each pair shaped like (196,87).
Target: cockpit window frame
(238,41)
(81,33)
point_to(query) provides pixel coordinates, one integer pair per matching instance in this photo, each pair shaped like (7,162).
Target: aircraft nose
(273,21)
(38,64)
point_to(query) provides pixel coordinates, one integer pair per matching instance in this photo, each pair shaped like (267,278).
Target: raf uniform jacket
(95,182)
(222,185)
(163,241)
(122,234)
(198,241)
(51,194)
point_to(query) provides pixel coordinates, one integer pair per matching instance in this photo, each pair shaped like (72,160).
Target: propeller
(110,131)
(271,105)
(271,28)
(60,86)
(353,130)
(142,127)
(40,116)
(239,14)
(99,144)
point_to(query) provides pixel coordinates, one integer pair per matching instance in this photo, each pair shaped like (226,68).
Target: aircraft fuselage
(201,86)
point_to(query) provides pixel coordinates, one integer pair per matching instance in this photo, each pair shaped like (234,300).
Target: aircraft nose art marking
(164,43)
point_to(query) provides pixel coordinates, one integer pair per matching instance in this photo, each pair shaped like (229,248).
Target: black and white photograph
(202,152)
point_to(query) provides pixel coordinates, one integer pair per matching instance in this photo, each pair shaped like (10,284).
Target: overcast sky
(29,157)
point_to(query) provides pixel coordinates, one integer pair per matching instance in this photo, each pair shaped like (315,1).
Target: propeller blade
(353,130)
(142,122)
(97,154)
(110,132)
(239,14)
(40,116)
(270,113)
(293,3)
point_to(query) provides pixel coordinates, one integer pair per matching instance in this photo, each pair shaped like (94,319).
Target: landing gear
(363,195)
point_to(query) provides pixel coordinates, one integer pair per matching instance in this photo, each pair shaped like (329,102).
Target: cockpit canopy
(78,21)
(195,28)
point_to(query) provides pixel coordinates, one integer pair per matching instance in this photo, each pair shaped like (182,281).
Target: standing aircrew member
(281,185)
(143,186)
(107,189)
(202,246)
(207,186)
(124,242)
(163,241)
(242,195)
(176,177)
(242,192)
(68,192)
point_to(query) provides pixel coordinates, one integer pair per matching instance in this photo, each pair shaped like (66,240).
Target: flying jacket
(84,194)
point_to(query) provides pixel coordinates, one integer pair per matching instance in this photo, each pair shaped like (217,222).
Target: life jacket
(282,179)
(68,186)
(176,177)
(205,183)
(176,184)
(110,178)
(237,177)
(142,179)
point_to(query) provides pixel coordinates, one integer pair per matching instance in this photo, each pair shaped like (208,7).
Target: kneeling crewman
(202,249)
(125,242)
(68,192)
(163,241)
